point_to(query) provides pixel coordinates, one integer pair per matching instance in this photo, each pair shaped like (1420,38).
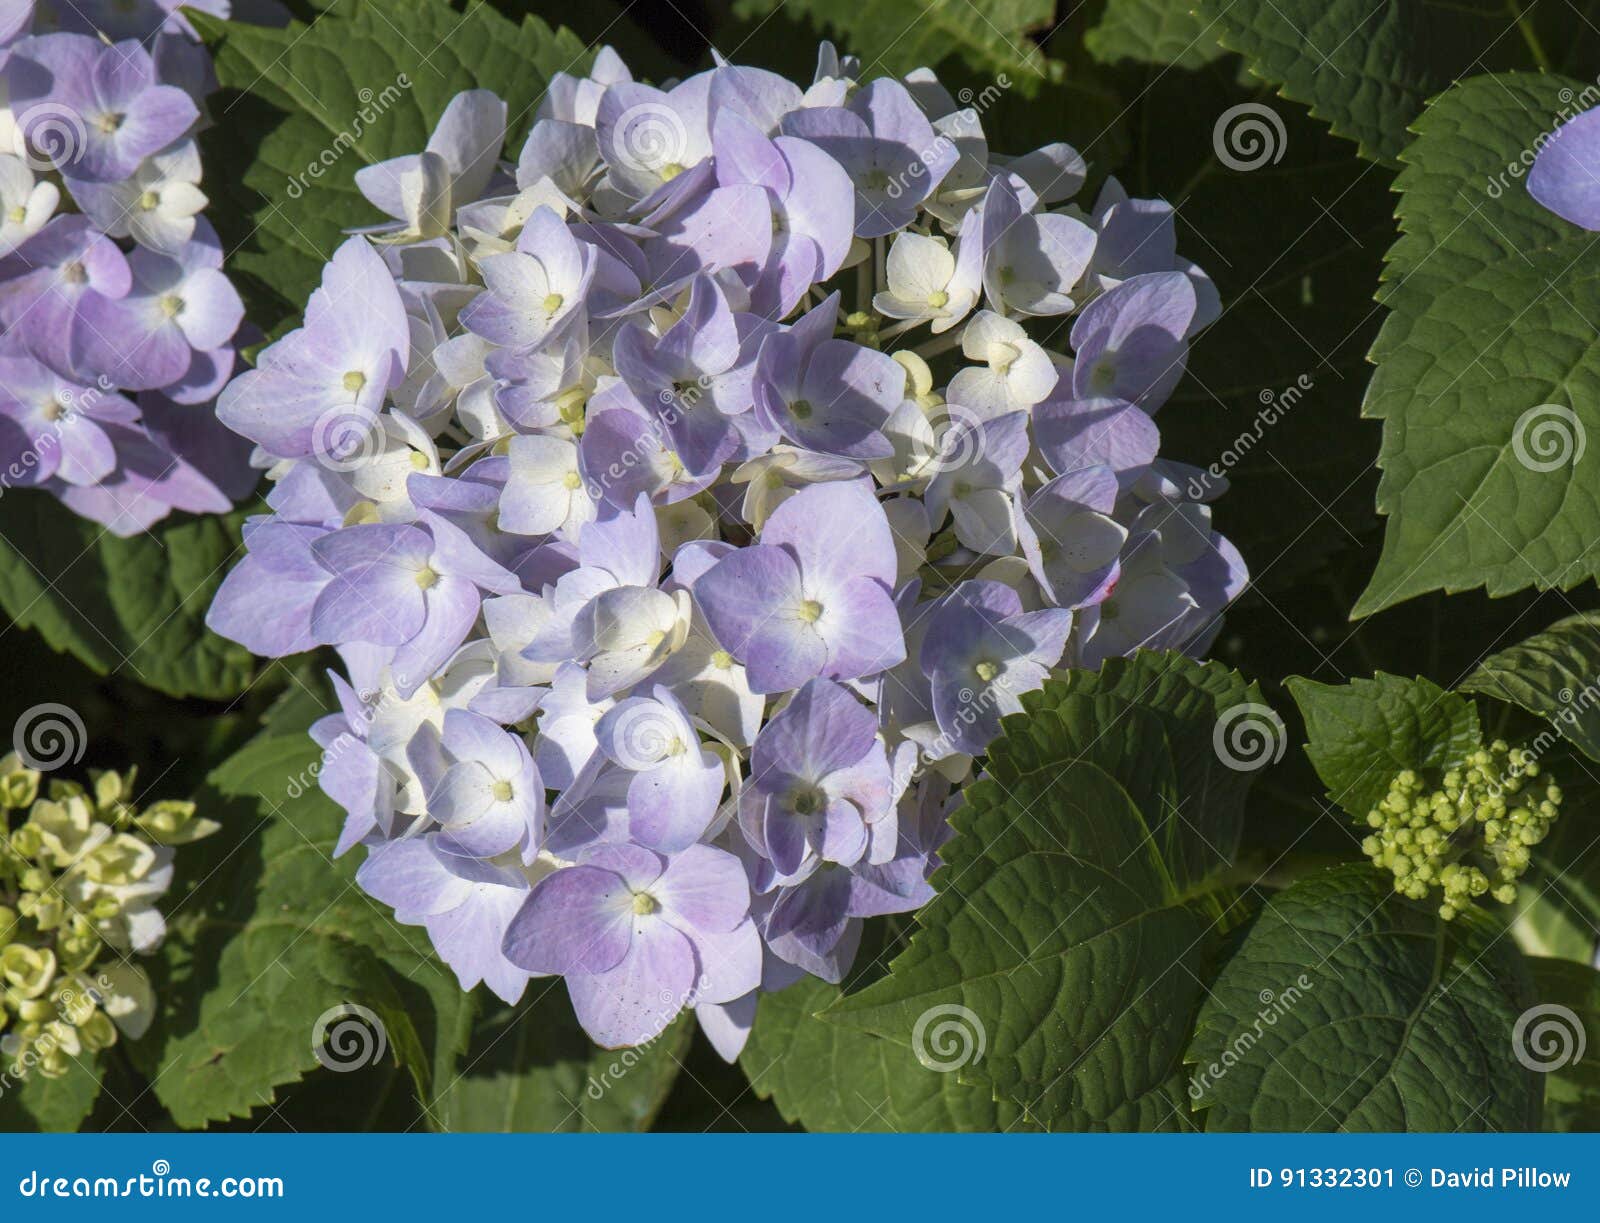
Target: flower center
(938,299)
(801,408)
(354,381)
(572,480)
(810,611)
(74,273)
(808,801)
(1002,355)
(1104,376)
(426,577)
(149,201)
(503,792)
(171,305)
(645,904)
(987,670)
(721,660)
(17,215)
(571,405)
(670,171)
(552,302)
(108,122)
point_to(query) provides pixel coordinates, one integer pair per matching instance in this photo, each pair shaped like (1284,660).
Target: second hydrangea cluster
(689,500)
(82,872)
(117,323)
(1470,836)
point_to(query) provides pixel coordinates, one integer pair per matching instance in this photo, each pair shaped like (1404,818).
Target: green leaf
(1364,733)
(531,1069)
(304,107)
(1547,924)
(1556,1036)
(1367,68)
(1167,32)
(1064,934)
(1345,1007)
(1558,902)
(52,1106)
(895,36)
(275,945)
(1192,700)
(832,1079)
(1487,374)
(1552,675)
(134,607)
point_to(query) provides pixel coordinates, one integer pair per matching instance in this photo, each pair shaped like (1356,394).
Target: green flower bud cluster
(81,871)
(1470,837)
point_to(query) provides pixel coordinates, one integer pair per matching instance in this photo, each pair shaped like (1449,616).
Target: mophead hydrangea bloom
(689,493)
(117,324)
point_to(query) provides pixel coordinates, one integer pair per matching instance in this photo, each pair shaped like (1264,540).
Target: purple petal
(578,920)
(636,1000)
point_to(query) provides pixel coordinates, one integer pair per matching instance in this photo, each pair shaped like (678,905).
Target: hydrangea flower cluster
(1471,835)
(688,502)
(117,323)
(79,885)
